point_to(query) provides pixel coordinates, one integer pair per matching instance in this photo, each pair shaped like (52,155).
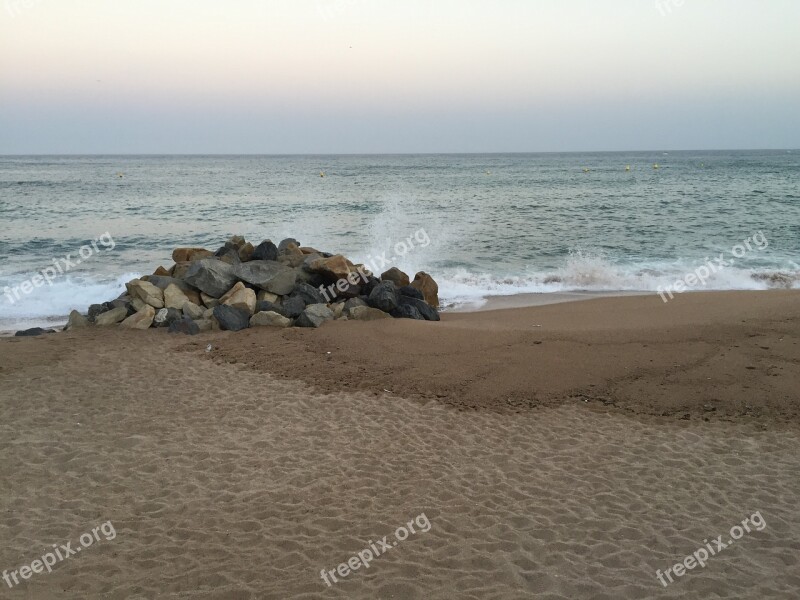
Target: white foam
(50,304)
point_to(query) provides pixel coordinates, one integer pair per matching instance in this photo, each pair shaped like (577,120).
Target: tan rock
(265,296)
(194,312)
(189,255)
(112,317)
(162,271)
(174,297)
(208,313)
(395,275)
(337,309)
(292,249)
(246,252)
(238,286)
(309,250)
(137,304)
(292,260)
(237,241)
(203,324)
(209,301)
(147,292)
(244,299)
(140,320)
(179,269)
(269,319)
(367,313)
(333,268)
(429,288)
(76,321)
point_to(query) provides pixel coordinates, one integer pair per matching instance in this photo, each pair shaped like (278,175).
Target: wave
(458,285)
(586,273)
(49,305)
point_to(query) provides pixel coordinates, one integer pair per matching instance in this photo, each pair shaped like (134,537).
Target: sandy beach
(560,451)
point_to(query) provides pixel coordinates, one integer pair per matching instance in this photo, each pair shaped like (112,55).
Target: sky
(392,76)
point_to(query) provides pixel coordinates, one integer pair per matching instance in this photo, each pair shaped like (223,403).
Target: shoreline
(484,304)
(698,356)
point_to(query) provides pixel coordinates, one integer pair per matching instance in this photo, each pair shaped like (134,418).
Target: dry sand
(537,453)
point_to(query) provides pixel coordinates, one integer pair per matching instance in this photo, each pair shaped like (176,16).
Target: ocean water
(480,224)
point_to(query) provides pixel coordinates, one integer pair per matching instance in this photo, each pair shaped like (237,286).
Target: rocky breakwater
(241,286)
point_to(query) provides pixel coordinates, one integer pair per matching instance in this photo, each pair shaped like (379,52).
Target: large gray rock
(269,319)
(384,297)
(267,275)
(211,276)
(231,318)
(314,316)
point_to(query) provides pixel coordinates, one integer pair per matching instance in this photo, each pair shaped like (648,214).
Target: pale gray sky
(328,76)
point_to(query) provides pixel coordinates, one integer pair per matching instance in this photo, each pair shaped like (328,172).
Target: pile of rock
(241,286)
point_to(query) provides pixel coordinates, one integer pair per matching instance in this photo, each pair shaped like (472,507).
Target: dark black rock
(411,292)
(293,307)
(369,285)
(211,276)
(343,289)
(406,311)
(95,310)
(267,275)
(185,326)
(33,332)
(230,318)
(266,250)
(425,309)
(266,306)
(313,279)
(384,297)
(310,295)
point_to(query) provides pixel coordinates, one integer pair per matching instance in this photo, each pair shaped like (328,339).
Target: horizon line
(525,152)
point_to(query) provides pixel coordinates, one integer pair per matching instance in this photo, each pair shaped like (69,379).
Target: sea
(74,229)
